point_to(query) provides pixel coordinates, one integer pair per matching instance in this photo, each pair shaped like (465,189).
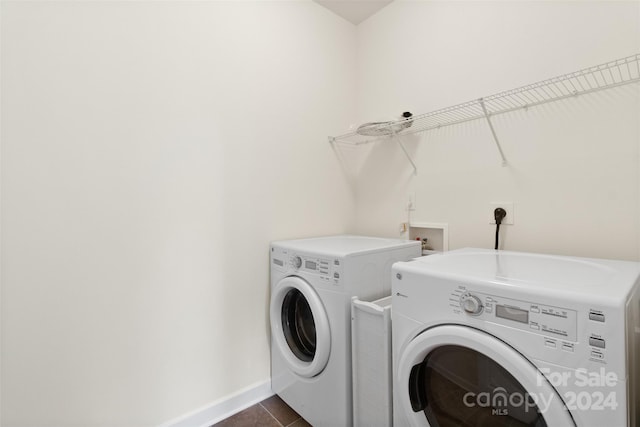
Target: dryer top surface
(593,277)
(345,245)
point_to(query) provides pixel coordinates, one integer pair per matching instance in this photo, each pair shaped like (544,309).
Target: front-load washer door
(299,326)
(457,376)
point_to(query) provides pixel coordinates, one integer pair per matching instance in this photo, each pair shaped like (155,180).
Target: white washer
(480,336)
(312,282)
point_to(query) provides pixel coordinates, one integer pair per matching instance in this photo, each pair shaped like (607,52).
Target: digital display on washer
(512,313)
(310,265)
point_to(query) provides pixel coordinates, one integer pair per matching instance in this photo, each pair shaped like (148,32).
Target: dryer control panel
(556,322)
(326,269)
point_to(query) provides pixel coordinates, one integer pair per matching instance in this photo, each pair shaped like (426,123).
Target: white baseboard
(223,408)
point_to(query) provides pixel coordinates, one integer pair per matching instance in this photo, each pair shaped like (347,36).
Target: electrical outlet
(411,202)
(507,206)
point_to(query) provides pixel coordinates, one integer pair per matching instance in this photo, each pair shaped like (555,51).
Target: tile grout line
(272,416)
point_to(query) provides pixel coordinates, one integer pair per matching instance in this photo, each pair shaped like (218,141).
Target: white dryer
(312,282)
(494,338)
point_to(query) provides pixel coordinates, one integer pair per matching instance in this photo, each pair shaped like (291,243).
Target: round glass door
(454,376)
(299,326)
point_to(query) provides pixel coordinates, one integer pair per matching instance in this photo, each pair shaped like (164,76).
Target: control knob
(297,262)
(471,304)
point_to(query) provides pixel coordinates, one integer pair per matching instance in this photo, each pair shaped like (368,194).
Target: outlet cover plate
(507,206)
(411,201)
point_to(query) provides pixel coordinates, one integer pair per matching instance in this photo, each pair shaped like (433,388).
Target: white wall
(574,165)
(150,151)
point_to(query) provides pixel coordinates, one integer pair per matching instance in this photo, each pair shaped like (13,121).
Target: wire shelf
(604,76)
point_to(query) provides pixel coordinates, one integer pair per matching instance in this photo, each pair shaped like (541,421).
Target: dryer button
(596,342)
(598,317)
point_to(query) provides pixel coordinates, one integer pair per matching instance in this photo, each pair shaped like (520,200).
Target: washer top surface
(345,245)
(607,278)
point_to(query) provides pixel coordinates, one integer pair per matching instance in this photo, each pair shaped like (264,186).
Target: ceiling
(354,11)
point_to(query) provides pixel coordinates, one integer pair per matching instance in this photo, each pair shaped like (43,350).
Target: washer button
(536,327)
(550,343)
(596,342)
(598,317)
(535,310)
(567,347)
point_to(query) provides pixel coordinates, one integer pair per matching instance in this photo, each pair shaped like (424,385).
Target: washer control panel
(556,322)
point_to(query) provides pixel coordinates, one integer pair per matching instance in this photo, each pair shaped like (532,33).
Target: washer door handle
(417,394)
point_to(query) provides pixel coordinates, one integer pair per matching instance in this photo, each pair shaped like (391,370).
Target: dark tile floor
(271,412)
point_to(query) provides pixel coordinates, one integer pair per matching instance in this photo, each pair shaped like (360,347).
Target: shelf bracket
(493,131)
(406,153)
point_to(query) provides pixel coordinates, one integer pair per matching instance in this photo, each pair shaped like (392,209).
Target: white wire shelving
(599,77)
